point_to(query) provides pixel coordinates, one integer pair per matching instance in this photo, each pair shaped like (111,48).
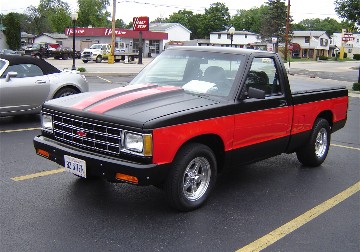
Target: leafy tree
(93,12)
(12,30)
(56,14)
(274,21)
(119,23)
(216,18)
(349,10)
(329,25)
(249,20)
(189,20)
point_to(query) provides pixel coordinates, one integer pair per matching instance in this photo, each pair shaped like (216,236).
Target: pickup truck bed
(188,115)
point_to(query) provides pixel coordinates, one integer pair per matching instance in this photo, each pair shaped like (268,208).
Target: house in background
(351,46)
(27,39)
(312,43)
(241,39)
(176,32)
(52,38)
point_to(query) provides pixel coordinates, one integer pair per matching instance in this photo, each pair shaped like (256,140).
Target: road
(46,209)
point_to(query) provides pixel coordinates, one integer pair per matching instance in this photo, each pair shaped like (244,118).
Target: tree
(329,25)
(249,20)
(349,10)
(93,12)
(119,23)
(12,30)
(274,21)
(189,20)
(216,18)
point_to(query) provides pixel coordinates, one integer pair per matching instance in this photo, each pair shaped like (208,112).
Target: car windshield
(95,47)
(200,72)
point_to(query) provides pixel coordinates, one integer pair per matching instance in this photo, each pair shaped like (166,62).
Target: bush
(323,58)
(356,57)
(356,87)
(81,69)
(345,55)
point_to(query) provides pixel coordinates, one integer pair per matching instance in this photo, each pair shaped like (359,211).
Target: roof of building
(163,27)
(27,35)
(236,32)
(308,33)
(54,35)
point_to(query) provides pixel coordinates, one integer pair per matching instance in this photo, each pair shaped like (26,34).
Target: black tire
(65,56)
(85,61)
(117,60)
(192,157)
(65,92)
(315,151)
(98,59)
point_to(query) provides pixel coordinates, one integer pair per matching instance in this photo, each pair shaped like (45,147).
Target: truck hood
(141,106)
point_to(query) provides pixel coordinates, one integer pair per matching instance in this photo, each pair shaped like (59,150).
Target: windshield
(95,47)
(200,72)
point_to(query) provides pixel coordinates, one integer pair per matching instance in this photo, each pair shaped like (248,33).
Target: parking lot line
(104,79)
(343,146)
(294,224)
(39,174)
(18,130)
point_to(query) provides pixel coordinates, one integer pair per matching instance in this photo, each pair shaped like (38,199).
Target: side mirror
(10,75)
(256,93)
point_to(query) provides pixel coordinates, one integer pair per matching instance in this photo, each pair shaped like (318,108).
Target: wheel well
(63,87)
(327,115)
(215,143)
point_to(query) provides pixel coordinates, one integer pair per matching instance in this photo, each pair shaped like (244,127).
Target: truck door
(262,128)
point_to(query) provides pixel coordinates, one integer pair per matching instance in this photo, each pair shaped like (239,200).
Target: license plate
(75,166)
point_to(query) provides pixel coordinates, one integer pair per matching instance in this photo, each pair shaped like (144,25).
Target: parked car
(26,83)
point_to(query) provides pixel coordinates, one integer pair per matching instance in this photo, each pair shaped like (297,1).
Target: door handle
(40,82)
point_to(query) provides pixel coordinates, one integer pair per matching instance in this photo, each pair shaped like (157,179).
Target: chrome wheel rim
(321,143)
(196,178)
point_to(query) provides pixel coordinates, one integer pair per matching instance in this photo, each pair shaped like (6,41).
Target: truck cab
(96,52)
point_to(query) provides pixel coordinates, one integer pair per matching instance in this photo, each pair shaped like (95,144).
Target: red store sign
(106,32)
(141,23)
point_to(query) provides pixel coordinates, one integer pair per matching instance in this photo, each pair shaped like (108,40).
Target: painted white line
(18,130)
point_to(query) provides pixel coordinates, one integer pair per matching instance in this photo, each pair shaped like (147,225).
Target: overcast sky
(127,9)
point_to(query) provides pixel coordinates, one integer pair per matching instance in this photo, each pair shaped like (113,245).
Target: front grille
(87,54)
(93,135)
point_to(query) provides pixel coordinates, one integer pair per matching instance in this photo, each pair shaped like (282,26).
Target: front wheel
(192,177)
(315,151)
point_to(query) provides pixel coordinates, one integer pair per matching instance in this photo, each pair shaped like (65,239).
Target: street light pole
(231,32)
(74,17)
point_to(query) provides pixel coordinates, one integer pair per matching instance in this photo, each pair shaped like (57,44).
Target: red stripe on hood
(117,101)
(106,94)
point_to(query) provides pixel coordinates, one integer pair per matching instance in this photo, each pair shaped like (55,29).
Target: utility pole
(287,31)
(111,59)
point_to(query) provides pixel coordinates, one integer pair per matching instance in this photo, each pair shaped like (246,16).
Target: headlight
(47,122)
(139,143)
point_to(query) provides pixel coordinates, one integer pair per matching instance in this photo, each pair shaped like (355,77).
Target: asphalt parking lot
(273,205)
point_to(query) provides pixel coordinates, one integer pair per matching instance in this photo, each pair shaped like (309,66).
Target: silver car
(26,83)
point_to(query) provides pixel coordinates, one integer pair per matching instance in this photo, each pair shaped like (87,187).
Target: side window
(263,75)
(24,70)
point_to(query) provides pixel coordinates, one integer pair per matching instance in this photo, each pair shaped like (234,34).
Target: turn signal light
(43,153)
(127,178)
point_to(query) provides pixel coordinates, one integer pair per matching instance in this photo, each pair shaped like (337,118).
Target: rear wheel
(65,56)
(85,61)
(315,151)
(192,177)
(65,92)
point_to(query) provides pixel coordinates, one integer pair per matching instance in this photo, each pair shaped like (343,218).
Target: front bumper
(101,165)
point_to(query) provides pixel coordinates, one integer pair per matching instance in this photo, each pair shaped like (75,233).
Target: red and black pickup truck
(190,113)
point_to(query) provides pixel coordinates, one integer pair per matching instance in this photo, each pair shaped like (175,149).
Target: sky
(127,9)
